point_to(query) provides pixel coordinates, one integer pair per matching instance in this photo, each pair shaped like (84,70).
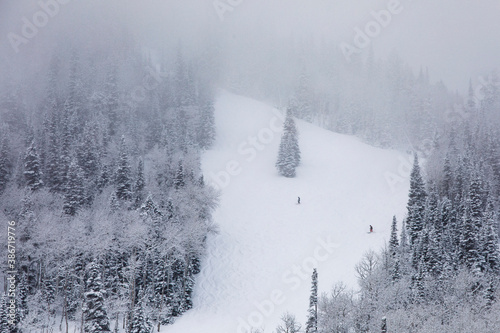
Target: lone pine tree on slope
(289,151)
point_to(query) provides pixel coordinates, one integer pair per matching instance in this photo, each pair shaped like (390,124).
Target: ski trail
(259,264)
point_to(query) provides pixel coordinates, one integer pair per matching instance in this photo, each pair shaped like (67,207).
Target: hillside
(260,263)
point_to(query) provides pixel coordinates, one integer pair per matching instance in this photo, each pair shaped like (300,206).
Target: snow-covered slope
(260,264)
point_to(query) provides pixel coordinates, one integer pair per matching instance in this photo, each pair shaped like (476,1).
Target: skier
(298,200)
(371,228)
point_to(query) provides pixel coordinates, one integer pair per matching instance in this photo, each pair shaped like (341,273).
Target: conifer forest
(249,167)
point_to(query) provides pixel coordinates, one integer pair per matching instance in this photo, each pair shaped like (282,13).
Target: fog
(455,40)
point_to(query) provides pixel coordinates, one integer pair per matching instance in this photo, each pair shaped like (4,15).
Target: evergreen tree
(88,153)
(469,254)
(4,323)
(179,177)
(393,241)
(32,168)
(447,184)
(123,179)
(289,151)
(140,184)
(94,313)
(111,98)
(74,193)
(312,318)
(490,241)
(416,204)
(52,162)
(5,164)
(396,271)
(140,323)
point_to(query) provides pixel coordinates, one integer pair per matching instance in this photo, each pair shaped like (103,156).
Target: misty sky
(455,39)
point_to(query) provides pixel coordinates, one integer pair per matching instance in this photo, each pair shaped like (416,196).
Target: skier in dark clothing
(371,228)
(298,200)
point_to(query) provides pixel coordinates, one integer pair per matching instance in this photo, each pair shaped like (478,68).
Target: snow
(259,265)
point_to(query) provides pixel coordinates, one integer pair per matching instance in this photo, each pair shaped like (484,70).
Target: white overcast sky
(455,39)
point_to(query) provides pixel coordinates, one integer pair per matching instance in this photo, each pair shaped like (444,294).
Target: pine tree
(4,324)
(64,153)
(416,204)
(312,318)
(140,184)
(94,314)
(140,323)
(52,163)
(418,285)
(179,177)
(123,179)
(469,253)
(74,193)
(396,271)
(393,241)
(32,168)
(289,151)
(490,241)
(447,184)
(112,100)
(5,164)
(188,286)
(88,153)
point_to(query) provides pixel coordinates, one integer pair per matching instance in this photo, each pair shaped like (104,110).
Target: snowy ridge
(260,263)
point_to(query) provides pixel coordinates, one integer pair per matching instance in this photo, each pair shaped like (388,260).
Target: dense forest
(102,176)
(100,152)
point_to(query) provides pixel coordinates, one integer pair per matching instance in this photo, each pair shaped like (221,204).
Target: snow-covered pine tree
(416,204)
(188,285)
(447,182)
(123,177)
(179,176)
(4,324)
(140,184)
(94,313)
(52,156)
(312,317)
(32,168)
(489,240)
(396,271)
(74,192)
(289,151)
(393,241)
(140,322)
(469,254)
(5,164)
(111,98)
